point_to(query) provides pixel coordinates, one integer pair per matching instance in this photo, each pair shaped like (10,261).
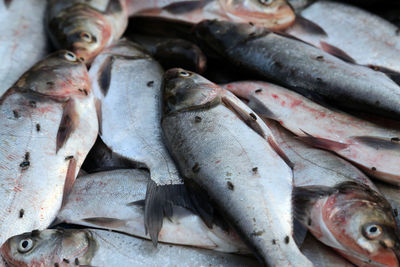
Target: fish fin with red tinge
(309,26)
(104,75)
(279,151)
(337,52)
(249,118)
(69,121)
(392,74)
(322,142)
(99,114)
(379,142)
(105,222)
(158,204)
(261,109)
(69,179)
(183,7)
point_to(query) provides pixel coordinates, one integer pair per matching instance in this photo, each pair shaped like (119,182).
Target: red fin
(99,113)
(309,26)
(279,151)
(185,6)
(69,179)
(67,125)
(337,52)
(322,142)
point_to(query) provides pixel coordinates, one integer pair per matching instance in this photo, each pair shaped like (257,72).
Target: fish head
(60,75)
(223,35)
(81,29)
(185,90)
(362,221)
(45,248)
(271,14)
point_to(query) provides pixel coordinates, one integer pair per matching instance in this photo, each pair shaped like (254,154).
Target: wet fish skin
(47,126)
(330,201)
(127,81)
(365,37)
(89,247)
(301,67)
(371,147)
(391,193)
(219,146)
(123,191)
(23,39)
(86,28)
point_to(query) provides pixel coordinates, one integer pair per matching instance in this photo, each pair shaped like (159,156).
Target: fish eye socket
(70,56)
(184,74)
(25,245)
(266,2)
(87,37)
(373,231)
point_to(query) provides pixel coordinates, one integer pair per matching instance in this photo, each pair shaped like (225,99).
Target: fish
(127,82)
(339,204)
(48,124)
(173,52)
(391,193)
(229,157)
(271,14)
(321,255)
(367,38)
(371,147)
(23,39)
(90,247)
(302,67)
(86,27)
(299,5)
(124,192)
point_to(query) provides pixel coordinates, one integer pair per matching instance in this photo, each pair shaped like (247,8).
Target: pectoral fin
(322,142)
(69,122)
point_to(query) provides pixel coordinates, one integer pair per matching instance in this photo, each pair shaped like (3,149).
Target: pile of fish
(199,133)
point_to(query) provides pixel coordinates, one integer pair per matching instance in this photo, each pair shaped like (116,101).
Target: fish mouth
(389,258)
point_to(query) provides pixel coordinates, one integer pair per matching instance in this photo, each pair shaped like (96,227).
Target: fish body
(391,193)
(123,190)
(128,82)
(371,147)
(274,15)
(48,124)
(23,39)
(302,67)
(365,37)
(221,146)
(86,27)
(89,247)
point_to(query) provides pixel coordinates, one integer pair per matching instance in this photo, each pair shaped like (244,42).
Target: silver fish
(23,38)
(127,81)
(222,147)
(69,247)
(48,124)
(123,191)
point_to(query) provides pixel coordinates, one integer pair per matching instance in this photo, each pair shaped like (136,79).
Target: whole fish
(89,247)
(340,205)
(48,124)
(365,37)
(271,14)
(391,193)
(128,83)
(373,148)
(86,27)
(302,67)
(173,52)
(321,255)
(222,147)
(23,38)
(123,191)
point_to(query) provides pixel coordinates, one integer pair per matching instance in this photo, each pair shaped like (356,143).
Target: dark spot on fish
(287,239)
(56,265)
(278,65)
(376,68)
(377,102)
(320,58)
(254,219)
(27,155)
(25,165)
(252,34)
(395,139)
(149,84)
(319,80)
(258,233)
(253,116)
(16,115)
(69,157)
(76,261)
(38,127)
(273,242)
(85,91)
(395,213)
(21,213)
(259,90)
(66,260)
(196,168)
(373,168)
(32,104)
(197,119)
(251,23)
(50,84)
(230,186)
(309,222)
(255,169)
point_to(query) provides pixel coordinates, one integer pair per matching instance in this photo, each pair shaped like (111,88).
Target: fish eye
(87,37)
(25,245)
(373,231)
(266,2)
(70,56)
(184,74)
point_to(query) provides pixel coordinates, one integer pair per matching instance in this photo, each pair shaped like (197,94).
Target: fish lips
(390,258)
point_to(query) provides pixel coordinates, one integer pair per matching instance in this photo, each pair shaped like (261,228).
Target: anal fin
(69,179)
(322,142)
(69,122)
(337,52)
